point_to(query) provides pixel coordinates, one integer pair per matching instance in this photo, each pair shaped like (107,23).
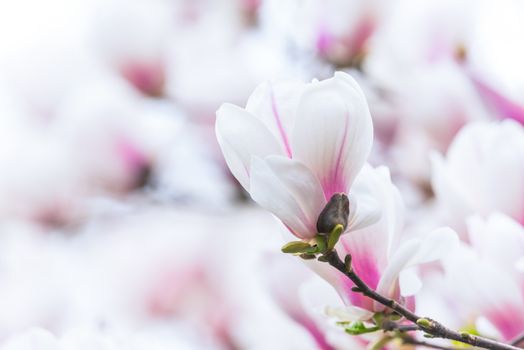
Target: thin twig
(395,326)
(424,324)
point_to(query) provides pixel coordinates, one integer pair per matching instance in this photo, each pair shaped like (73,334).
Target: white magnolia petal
(446,187)
(334,277)
(487,328)
(397,263)
(519,265)
(364,212)
(316,295)
(283,276)
(289,190)
(240,136)
(371,246)
(275,104)
(435,245)
(432,246)
(34,338)
(333,132)
(409,282)
(483,168)
(498,238)
(348,313)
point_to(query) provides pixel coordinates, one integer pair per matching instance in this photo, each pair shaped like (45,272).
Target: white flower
(295,145)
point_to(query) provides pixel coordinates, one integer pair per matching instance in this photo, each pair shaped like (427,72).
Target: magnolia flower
(384,255)
(133,39)
(483,172)
(296,145)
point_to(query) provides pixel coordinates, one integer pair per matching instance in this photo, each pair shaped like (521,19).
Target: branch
(429,326)
(388,325)
(517,340)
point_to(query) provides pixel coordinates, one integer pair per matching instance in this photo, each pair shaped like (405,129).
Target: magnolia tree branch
(427,325)
(388,325)
(518,340)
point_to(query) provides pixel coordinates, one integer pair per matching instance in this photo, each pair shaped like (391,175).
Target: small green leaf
(296,247)
(321,244)
(334,236)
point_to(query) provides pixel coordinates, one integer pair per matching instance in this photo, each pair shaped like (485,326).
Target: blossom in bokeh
(485,282)
(483,172)
(415,64)
(337,31)
(492,61)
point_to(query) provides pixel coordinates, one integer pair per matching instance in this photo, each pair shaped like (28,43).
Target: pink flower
(295,145)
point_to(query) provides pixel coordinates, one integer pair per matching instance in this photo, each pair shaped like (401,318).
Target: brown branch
(427,325)
(517,340)
(388,325)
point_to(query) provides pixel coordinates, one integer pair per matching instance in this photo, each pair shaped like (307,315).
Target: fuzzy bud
(336,212)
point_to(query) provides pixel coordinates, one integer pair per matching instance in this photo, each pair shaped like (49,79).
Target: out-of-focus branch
(388,325)
(518,340)
(427,325)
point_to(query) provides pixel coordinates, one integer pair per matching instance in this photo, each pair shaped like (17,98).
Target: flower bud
(336,212)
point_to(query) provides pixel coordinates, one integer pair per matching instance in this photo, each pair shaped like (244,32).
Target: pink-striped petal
(333,132)
(275,104)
